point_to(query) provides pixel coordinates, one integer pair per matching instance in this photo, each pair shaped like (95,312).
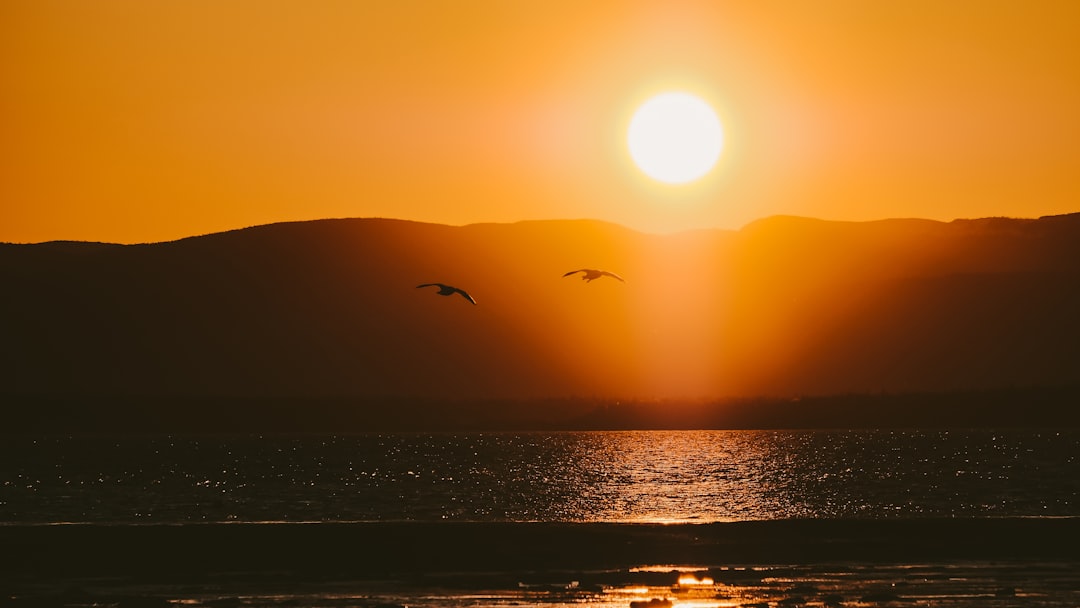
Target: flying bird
(591,274)
(448,290)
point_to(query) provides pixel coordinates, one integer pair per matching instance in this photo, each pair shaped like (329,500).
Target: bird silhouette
(591,274)
(448,290)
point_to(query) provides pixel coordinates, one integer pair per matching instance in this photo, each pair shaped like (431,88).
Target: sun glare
(675,138)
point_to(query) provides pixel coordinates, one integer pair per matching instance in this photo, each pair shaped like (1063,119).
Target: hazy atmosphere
(131,121)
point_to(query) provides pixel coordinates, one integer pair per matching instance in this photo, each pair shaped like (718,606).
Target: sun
(675,138)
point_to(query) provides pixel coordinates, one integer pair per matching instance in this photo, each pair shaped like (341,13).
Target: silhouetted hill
(328,311)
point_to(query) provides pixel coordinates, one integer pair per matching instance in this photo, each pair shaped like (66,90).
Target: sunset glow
(742,180)
(603,304)
(127,121)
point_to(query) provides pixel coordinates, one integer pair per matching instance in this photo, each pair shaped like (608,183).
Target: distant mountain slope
(786,306)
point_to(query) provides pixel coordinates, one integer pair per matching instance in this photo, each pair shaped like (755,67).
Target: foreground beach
(939,562)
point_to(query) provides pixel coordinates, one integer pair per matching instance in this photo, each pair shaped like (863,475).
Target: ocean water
(604,519)
(653,476)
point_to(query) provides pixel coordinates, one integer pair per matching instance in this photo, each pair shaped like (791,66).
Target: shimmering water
(666,476)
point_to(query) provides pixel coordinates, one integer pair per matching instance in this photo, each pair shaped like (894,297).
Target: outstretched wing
(612,275)
(465,294)
(572,272)
(429,285)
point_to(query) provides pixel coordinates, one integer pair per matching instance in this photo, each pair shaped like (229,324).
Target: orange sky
(136,120)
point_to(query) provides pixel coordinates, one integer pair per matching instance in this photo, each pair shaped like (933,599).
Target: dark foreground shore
(961,563)
(379,551)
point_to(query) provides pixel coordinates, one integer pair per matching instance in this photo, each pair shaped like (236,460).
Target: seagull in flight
(591,273)
(448,290)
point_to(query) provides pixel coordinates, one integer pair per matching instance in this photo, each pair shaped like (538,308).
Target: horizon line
(780,216)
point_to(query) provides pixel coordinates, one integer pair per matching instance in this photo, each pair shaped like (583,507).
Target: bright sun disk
(675,138)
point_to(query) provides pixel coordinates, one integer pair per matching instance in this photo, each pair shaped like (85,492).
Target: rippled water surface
(684,476)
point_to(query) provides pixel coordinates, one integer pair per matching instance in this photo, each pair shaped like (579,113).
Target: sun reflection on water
(689,580)
(655,477)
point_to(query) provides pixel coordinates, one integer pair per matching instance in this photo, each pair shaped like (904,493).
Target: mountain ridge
(328,309)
